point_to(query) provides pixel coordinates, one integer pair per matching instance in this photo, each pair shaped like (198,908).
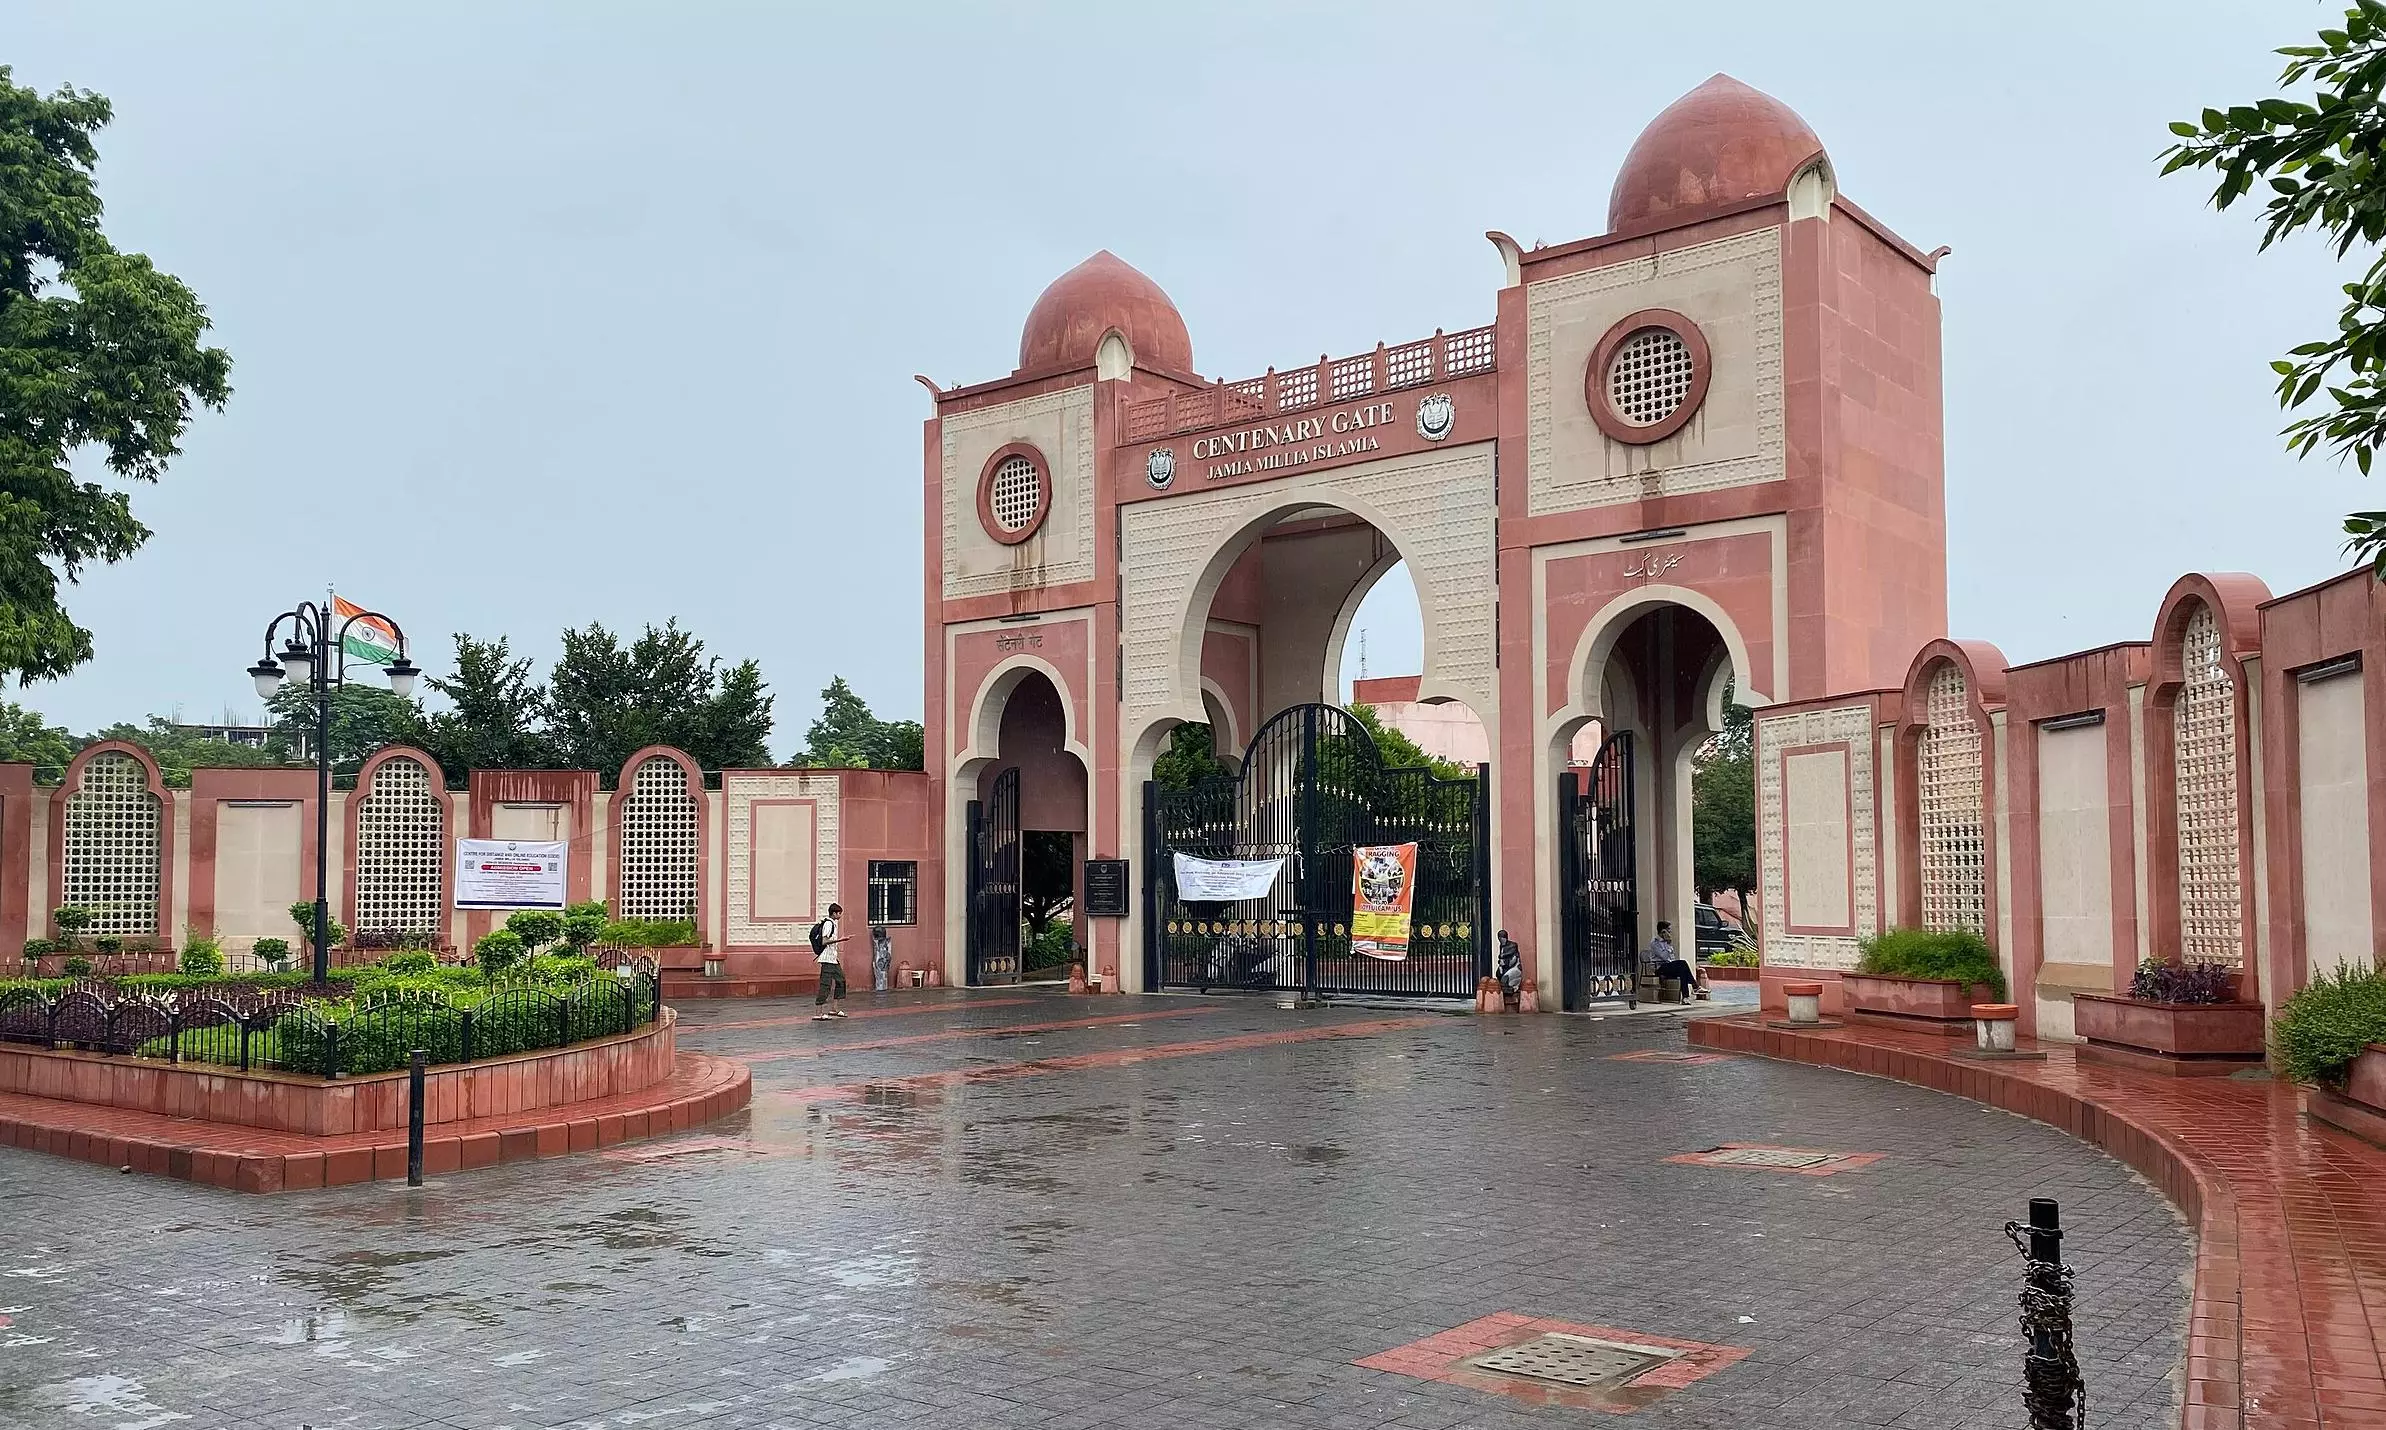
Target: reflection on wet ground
(1025,1209)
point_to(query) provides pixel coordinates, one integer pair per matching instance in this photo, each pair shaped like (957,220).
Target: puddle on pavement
(105,1395)
(852,1368)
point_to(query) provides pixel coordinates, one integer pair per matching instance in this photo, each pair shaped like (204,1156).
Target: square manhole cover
(1572,1360)
(1789,1157)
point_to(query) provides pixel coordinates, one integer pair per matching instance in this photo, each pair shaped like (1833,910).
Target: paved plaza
(1021,1209)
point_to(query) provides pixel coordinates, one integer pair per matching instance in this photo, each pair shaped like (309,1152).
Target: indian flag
(370,639)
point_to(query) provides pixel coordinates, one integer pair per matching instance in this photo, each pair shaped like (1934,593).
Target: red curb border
(2266,1366)
(700,1089)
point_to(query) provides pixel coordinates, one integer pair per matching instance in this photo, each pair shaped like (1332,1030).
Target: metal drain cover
(1767,1157)
(1571,1360)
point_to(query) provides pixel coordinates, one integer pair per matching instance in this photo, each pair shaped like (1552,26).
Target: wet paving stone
(1029,1210)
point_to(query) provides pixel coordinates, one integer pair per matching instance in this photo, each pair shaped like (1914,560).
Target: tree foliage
(1723,807)
(98,350)
(847,736)
(496,715)
(25,737)
(1190,758)
(2319,158)
(606,700)
(364,718)
(179,751)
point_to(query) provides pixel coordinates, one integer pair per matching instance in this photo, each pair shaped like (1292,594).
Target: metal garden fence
(373,1032)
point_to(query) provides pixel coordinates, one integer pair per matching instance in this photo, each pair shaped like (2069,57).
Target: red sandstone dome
(1104,292)
(1722,143)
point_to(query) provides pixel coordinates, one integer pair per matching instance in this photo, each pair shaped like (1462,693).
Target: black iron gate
(1313,787)
(994,882)
(1599,909)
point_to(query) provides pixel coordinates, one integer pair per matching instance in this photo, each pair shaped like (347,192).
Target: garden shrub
(1958,955)
(70,920)
(412,960)
(649,933)
(78,967)
(2322,1029)
(272,952)
(36,947)
(1739,955)
(497,951)
(535,927)
(2159,982)
(583,924)
(302,914)
(108,943)
(1055,947)
(202,956)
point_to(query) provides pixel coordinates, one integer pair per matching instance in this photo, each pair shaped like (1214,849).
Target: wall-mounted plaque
(1106,888)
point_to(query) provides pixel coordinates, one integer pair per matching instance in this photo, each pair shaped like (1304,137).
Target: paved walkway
(2290,1289)
(1022,1209)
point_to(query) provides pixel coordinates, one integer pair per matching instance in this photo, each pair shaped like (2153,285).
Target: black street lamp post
(316,651)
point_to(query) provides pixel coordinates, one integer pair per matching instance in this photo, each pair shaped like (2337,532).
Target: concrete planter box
(2181,1039)
(2358,1107)
(1938,1003)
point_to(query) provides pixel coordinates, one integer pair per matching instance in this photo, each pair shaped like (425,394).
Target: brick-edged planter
(2174,1039)
(374,1102)
(1727,973)
(2358,1107)
(1939,1004)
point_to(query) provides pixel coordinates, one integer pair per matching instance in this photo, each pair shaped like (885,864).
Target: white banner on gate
(1224,880)
(510,873)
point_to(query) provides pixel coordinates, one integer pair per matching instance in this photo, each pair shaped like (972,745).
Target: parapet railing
(1387,369)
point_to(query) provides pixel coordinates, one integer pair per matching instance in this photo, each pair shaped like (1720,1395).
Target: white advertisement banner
(510,873)
(1224,880)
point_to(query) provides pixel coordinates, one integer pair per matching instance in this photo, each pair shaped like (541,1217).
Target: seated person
(1665,963)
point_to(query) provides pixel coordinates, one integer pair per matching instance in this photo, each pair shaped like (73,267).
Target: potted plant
(1924,977)
(2178,1018)
(2331,1036)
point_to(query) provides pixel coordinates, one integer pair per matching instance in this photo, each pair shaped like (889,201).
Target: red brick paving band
(2289,1308)
(1444,1356)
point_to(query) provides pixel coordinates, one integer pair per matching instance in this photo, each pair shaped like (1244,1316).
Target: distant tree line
(603,700)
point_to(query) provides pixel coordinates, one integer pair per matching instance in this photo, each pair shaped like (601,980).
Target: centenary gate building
(1698,451)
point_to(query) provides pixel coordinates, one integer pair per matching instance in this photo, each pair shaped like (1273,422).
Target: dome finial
(1085,304)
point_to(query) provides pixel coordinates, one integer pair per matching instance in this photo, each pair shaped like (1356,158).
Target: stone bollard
(1530,1000)
(712,965)
(1109,983)
(1805,1002)
(935,977)
(1487,996)
(1076,978)
(1994,1022)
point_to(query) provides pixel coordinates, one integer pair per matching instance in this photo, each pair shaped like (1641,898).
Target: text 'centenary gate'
(994,882)
(1313,786)
(1598,893)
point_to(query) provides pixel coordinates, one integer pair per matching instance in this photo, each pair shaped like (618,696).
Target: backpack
(820,937)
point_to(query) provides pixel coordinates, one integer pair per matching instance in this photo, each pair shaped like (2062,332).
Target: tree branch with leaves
(2318,156)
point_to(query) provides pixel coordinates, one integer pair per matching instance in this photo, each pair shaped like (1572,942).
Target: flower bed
(1944,1003)
(2180,1039)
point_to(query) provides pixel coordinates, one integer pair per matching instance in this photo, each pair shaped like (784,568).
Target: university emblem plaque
(1436,415)
(1160,468)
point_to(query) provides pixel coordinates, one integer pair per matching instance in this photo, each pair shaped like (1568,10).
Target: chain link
(2052,1391)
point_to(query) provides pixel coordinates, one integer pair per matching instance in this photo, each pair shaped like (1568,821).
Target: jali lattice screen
(110,848)
(658,844)
(400,851)
(1953,855)
(2204,762)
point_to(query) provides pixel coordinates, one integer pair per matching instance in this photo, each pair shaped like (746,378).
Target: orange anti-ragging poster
(1383,880)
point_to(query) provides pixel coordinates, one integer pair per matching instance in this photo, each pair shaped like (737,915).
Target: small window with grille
(894,891)
(1014,494)
(1650,377)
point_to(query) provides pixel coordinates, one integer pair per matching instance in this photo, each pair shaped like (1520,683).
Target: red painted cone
(1530,1001)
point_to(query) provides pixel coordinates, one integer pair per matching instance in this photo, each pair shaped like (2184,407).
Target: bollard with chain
(2051,1388)
(414,1117)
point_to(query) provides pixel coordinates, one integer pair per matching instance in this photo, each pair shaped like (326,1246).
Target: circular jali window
(1650,377)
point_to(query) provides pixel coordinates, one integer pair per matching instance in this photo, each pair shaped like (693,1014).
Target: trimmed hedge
(2322,1029)
(1958,955)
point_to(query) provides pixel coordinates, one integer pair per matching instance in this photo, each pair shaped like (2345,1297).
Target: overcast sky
(544,314)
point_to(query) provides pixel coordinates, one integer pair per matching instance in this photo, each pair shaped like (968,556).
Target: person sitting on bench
(1668,964)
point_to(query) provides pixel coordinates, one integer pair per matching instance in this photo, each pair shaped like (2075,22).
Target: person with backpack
(825,939)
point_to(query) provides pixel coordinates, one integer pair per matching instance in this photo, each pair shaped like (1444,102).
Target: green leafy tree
(1047,877)
(496,712)
(179,751)
(25,739)
(2317,155)
(537,928)
(848,736)
(606,700)
(1190,758)
(98,349)
(364,718)
(1723,807)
